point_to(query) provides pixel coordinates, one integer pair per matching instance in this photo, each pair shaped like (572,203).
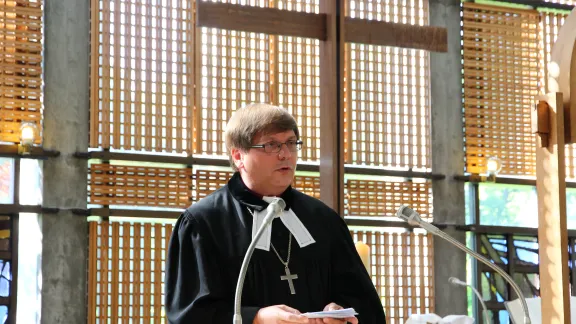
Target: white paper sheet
(341,313)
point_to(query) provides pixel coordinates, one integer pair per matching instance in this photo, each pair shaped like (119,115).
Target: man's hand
(279,314)
(328,320)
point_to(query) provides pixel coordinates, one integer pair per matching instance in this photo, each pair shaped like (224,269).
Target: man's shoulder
(210,205)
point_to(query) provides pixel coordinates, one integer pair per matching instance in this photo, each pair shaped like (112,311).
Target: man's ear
(237,157)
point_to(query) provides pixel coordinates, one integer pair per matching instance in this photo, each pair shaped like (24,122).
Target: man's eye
(272,145)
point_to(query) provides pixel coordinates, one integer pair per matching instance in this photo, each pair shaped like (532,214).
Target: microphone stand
(456,281)
(414,219)
(274,208)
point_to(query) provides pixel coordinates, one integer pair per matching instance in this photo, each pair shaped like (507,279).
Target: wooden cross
(552,122)
(290,277)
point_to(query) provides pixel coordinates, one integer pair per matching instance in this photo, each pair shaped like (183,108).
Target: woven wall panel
(234,71)
(21,28)
(414,12)
(140,186)
(126,272)
(402,269)
(298,80)
(299,5)
(501,74)
(383,198)
(142,68)
(207,181)
(309,185)
(238,68)
(254,3)
(294,5)
(386,107)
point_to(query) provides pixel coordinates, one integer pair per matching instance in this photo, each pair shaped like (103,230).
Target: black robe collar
(248,197)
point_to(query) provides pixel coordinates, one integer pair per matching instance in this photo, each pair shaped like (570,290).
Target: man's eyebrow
(272,139)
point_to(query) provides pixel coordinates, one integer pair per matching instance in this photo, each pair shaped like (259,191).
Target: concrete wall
(66,103)
(448,157)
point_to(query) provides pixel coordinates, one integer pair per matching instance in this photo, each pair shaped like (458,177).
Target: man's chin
(284,177)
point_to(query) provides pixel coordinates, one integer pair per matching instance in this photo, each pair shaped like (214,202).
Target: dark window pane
(5,228)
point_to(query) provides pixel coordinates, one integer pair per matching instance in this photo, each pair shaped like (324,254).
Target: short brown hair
(256,119)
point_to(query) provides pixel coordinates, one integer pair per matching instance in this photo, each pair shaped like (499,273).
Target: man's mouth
(284,168)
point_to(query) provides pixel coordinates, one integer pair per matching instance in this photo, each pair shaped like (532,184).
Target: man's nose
(284,152)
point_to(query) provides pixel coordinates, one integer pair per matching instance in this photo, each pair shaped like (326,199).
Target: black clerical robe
(210,240)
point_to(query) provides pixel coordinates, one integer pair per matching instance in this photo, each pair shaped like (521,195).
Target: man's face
(268,173)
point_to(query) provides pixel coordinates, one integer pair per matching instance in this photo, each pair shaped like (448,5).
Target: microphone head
(277,205)
(456,281)
(408,214)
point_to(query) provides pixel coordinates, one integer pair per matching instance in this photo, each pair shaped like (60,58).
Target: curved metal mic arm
(274,208)
(408,214)
(458,282)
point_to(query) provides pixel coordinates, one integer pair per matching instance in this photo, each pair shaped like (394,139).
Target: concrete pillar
(448,157)
(66,121)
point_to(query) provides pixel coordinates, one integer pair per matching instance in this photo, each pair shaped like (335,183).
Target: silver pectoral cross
(289,277)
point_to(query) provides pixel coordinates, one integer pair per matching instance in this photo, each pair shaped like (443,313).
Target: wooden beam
(331,107)
(36,152)
(260,20)
(17,208)
(384,33)
(552,230)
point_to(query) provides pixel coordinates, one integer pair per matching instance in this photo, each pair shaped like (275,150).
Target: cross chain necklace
(289,276)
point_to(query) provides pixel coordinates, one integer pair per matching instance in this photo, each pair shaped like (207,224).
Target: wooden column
(331,108)
(552,232)
(552,121)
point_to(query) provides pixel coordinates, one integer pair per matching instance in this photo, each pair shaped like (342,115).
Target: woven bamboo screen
(297,74)
(298,88)
(402,271)
(238,68)
(377,198)
(207,181)
(387,105)
(126,272)
(234,71)
(145,70)
(21,67)
(141,77)
(140,186)
(501,67)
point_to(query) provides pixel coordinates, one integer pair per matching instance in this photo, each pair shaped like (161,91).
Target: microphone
(274,209)
(413,218)
(458,282)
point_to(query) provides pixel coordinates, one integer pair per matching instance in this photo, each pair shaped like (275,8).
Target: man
(305,262)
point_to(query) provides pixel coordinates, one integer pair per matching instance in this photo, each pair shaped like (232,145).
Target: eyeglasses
(275,147)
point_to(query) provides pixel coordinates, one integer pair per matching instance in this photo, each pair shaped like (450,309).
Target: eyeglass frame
(298,144)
